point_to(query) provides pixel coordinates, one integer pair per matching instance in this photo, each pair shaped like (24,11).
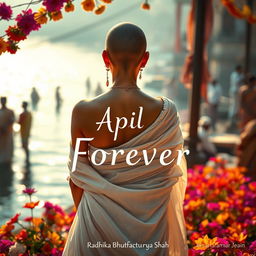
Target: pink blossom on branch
(5,11)
(54,5)
(26,22)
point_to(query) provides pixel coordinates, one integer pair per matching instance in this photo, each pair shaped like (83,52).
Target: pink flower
(253,246)
(53,5)
(213,206)
(26,22)
(29,191)
(5,11)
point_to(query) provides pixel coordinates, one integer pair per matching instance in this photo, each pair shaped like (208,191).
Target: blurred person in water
(58,99)
(6,132)
(214,93)
(25,122)
(35,98)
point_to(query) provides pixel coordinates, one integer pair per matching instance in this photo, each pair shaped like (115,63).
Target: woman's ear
(144,60)
(106,58)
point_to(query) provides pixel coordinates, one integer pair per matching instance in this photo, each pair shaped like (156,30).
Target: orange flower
(31,205)
(145,5)
(54,238)
(100,9)
(37,221)
(246,11)
(69,7)
(22,235)
(3,46)
(107,1)
(222,217)
(56,15)
(204,223)
(40,16)
(205,242)
(238,238)
(6,229)
(88,5)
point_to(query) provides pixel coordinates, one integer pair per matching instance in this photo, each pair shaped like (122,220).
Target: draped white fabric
(137,207)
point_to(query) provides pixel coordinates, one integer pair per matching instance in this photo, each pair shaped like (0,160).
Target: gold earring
(107,82)
(140,76)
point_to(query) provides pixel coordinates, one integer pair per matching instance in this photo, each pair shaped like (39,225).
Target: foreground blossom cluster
(28,21)
(36,236)
(220,213)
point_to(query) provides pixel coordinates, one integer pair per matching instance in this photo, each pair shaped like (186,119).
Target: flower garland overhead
(244,13)
(51,10)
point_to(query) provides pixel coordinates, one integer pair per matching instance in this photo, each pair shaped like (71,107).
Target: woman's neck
(125,78)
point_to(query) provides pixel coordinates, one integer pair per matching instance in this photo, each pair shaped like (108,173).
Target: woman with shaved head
(127,168)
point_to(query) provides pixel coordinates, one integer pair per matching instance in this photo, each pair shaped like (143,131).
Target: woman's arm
(76,191)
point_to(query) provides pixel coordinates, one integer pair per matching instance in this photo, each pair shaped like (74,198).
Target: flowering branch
(32,2)
(28,21)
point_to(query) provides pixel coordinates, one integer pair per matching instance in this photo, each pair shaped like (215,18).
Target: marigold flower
(37,221)
(238,238)
(12,47)
(222,217)
(88,5)
(31,205)
(205,242)
(54,238)
(246,11)
(145,5)
(204,223)
(252,186)
(107,1)
(15,34)
(14,219)
(69,7)
(6,228)
(26,22)
(56,16)
(3,45)
(100,9)
(5,11)
(22,235)
(40,16)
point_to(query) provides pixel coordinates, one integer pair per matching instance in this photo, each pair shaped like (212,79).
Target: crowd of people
(24,120)
(241,117)
(7,119)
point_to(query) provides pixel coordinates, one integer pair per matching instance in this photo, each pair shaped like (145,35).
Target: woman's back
(123,103)
(130,190)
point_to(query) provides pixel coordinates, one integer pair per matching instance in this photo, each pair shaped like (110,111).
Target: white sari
(132,210)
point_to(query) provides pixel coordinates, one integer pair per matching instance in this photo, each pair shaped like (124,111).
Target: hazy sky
(158,23)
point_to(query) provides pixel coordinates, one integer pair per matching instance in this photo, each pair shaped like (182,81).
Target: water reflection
(6,181)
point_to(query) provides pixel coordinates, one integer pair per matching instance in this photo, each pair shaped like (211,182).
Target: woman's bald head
(126,44)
